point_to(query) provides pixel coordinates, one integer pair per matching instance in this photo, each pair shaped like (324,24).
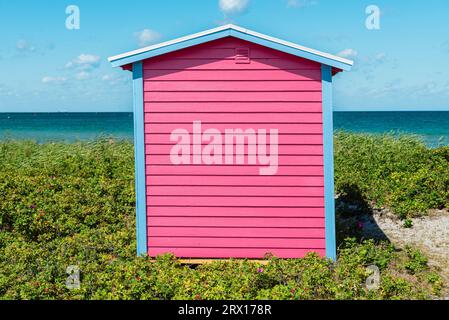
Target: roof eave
(234,31)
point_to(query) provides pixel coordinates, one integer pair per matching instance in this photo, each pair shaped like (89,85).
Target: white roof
(230,30)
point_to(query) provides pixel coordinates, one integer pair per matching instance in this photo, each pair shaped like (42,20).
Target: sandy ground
(430,234)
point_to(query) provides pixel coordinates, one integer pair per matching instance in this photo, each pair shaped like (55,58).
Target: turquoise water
(65,126)
(431,127)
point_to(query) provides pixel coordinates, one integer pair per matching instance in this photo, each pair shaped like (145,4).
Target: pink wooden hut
(233,146)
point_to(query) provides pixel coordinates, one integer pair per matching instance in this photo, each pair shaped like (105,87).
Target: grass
(73,204)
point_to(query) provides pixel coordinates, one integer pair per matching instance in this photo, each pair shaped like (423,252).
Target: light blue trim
(328,136)
(235,33)
(139,156)
(290,50)
(170,48)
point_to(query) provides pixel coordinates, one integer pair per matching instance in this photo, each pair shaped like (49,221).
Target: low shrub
(73,204)
(397,172)
(417,262)
(35,271)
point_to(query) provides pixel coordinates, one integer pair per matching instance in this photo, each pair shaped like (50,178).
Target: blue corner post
(328,136)
(139,157)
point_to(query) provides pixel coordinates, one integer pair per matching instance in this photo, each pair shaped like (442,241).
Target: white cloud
(380,57)
(87,59)
(84,62)
(378,60)
(112,79)
(53,80)
(348,53)
(23,46)
(301,3)
(233,6)
(83,75)
(445,46)
(4,91)
(146,37)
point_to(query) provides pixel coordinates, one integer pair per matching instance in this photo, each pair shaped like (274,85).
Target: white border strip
(236,28)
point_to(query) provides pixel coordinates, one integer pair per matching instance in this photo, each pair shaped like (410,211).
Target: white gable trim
(235,31)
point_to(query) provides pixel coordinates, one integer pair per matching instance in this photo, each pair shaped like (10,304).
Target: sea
(431,127)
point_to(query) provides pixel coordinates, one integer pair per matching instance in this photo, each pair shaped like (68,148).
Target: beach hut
(233,146)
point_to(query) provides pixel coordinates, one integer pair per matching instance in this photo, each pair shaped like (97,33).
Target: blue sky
(46,67)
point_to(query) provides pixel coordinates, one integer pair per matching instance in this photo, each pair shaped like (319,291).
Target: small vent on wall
(242,55)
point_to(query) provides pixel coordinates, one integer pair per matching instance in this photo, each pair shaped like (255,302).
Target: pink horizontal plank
(304,139)
(226,49)
(230,170)
(232,42)
(181,201)
(189,242)
(234,118)
(299,160)
(238,212)
(283,128)
(235,212)
(235,222)
(256,50)
(309,96)
(226,64)
(235,181)
(282,150)
(274,107)
(236,232)
(232,85)
(236,191)
(224,75)
(199,52)
(228,52)
(250,253)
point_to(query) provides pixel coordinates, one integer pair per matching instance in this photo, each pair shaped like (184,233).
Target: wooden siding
(222,211)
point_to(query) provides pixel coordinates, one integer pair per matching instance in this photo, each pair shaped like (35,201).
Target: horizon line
(336,109)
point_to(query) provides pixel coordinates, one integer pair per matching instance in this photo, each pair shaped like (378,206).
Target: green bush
(401,173)
(417,261)
(73,204)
